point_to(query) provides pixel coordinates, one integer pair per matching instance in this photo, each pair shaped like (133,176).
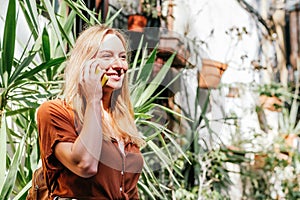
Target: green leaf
(64,34)
(54,24)
(151,181)
(166,162)
(45,65)
(177,146)
(46,45)
(23,191)
(146,189)
(20,67)
(33,14)
(111,19)
(146,69)
(18,111)
(173,112)
(30,21)
(77,6)
(9,39)
(68,28)
(155,83)
(13,169)
(2,150)
(135,61)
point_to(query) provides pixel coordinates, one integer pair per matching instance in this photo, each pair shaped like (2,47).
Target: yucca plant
(35,76)
(22,86)
(289,118)
(29,79)
(160,166)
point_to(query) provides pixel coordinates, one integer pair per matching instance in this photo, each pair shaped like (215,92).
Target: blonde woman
(88,139)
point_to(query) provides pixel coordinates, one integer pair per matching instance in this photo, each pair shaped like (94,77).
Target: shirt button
(121,189)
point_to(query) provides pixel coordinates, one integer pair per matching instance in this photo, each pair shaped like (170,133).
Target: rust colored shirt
(56,124)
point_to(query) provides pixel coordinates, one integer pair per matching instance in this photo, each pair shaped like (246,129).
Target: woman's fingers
(91,79)
(91,70)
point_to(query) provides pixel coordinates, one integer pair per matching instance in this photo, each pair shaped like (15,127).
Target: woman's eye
(106,55)
(123,57)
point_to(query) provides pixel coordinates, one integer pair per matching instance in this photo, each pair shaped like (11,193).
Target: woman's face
(112,58)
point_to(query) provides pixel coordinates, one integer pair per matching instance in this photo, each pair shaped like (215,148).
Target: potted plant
(136,22)
(270,96)
(211,73)
(259,160)
(289,125)
(151,8)
(142,13)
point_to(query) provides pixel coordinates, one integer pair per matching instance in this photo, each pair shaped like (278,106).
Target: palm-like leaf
(160,151)
(26,81)
(8,43)
(36,76)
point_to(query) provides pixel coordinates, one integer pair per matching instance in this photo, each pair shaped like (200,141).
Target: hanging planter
(137,22)
(211,73)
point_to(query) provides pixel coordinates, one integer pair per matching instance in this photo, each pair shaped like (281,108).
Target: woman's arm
(82,156)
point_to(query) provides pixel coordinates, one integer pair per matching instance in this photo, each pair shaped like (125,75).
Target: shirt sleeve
(55,124)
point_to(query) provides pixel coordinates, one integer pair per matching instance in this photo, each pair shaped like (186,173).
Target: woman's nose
(116,64)
(116,67)
(119,63)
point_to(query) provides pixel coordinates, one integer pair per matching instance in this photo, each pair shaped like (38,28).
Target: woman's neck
(106,100)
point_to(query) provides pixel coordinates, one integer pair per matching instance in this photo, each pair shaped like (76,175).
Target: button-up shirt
(118,172)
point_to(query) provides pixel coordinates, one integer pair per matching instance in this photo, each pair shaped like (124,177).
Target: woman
(88,139)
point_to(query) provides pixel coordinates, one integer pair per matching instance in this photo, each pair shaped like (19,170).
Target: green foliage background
(34,75)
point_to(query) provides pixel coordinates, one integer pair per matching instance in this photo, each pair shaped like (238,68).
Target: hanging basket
(211,73)
(137,23)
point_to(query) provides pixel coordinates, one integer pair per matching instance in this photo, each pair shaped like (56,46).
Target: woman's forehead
(112,42)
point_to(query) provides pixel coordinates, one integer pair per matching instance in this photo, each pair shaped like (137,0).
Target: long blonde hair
(121,110)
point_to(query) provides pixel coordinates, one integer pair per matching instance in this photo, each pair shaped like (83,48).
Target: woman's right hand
(90,80)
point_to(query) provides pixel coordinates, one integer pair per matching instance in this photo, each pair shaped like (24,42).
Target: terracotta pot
(137,23)
(169,45)
(282,154)
(271,103)
(259,161)
(211,73)
(292,140)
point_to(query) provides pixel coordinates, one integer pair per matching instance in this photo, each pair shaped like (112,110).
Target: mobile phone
(104,78)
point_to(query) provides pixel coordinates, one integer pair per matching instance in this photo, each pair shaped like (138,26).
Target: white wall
(203,17)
